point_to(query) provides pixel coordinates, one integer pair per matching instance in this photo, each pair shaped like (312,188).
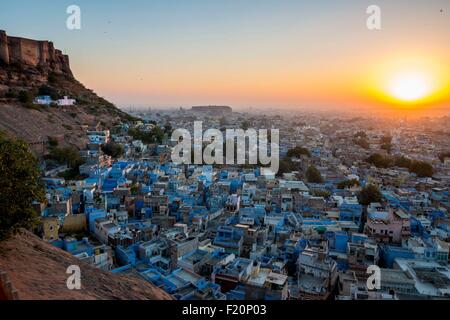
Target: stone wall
(32,53)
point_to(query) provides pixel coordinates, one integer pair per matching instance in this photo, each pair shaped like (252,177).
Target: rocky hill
(35,270)
(29,68)
(29,267)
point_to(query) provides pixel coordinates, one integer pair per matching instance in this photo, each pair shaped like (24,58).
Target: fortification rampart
(33,53)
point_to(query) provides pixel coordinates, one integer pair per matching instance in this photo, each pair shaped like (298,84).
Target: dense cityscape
(350,193)
(214,159)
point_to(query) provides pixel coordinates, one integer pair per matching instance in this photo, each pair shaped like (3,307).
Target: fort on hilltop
(212,109)
(16,50)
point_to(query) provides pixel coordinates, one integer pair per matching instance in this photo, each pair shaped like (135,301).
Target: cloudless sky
(278,53)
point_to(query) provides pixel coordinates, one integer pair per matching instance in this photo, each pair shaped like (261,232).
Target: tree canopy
(25,97)
(298,152)
(402,162)
(313,175)
(113,149)
(286,165)
(67,155)
(360,139)
(379,161)
(360,135)
(156,135)
(348,183)
(19,186)
(420,168)
(370,193)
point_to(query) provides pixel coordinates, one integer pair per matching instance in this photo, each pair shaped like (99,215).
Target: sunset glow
(225,151)
(410,86)
(296,55)
(408,82)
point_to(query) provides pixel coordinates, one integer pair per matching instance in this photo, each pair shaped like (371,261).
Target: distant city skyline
(260,54)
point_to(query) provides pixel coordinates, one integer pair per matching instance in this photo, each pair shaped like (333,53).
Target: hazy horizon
(261,54)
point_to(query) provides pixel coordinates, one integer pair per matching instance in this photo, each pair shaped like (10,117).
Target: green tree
(386,143)
(168,129)
(313,175)
(113,149)
(53,142)
(379,161)
(360,135)
(48,91)
(68,155)
(134,189)
(387,147)
(370,193)
(360,139)
(386,139)
(421,168)
(402,162)
(348,183)
(25,97)
(298,152)
(286,165)
(321,193)
(156,135)
(19,186)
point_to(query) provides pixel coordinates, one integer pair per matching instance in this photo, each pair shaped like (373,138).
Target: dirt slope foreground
(36,270)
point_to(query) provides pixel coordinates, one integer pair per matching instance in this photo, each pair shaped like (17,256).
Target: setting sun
(410,86)
(409,82)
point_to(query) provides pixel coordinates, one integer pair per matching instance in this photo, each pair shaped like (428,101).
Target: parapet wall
(33,53)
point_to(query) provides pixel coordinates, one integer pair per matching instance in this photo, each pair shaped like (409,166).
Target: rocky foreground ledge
(31,269)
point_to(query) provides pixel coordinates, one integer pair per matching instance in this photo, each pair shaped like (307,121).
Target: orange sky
(286,54)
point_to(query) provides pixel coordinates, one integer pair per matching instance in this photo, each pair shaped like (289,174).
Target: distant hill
(31,269)
(29,68)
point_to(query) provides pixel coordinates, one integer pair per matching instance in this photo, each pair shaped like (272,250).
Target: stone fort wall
(32,52)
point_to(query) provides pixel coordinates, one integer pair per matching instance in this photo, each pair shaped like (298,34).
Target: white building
(43,100)
(66,101)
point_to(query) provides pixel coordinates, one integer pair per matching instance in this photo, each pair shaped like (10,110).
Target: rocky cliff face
(42,54)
